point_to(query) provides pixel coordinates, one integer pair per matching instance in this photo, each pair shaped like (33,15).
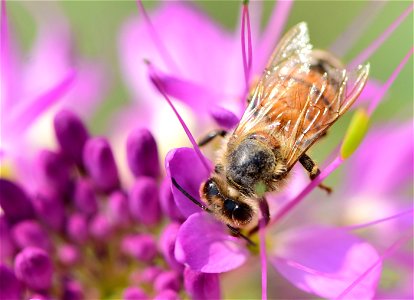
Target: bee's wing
(317,115)
(300,117)
(293,50)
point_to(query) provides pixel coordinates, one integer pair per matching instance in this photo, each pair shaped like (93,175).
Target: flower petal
(185,167)
(216,252)
(325,261)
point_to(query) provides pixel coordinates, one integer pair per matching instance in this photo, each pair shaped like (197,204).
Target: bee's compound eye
(211,188)
(230,205)
(238,211)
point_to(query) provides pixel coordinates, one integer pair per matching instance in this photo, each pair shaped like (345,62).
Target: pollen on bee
(260,188)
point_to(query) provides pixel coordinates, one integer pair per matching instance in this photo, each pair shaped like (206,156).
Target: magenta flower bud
(54,173)
(202,285)
(71,135)
(85,198)
(14,202)
(167,245)
(68,254)
(100,228)
(140,246)
(30,233)
(169,280)
(10,287)
(134,293)
(72,290)
(167,202)
(224,118)
(51,211)
(118,210)
(142,153)
(6,242)
(144,202)
(167,295)
(77,228)
(100,164)
(146,276)
(34,267)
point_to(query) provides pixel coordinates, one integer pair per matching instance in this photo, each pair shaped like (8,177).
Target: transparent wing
(289,103)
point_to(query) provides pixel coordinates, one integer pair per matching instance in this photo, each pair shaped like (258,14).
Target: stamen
(166,57)
(396,216)
(247,60)
(273,30)
(357,28)
(263,255)
(374,45)
(315,182)
(386,86)
(386,254)
(155,79)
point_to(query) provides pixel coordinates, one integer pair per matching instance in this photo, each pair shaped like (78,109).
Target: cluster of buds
(81,234)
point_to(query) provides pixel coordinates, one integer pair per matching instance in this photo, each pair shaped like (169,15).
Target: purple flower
(14,202)
(10,287)
(134,293)
(202,285)
(30,234)
(34,267)
(141,247)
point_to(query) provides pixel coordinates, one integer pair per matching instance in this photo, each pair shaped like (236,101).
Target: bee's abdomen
(249,164)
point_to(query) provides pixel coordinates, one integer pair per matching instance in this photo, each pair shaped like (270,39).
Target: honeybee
(301,93)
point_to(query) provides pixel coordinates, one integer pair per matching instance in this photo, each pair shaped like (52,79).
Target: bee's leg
(313,170)
(237,232)
(210,136)
(264,209)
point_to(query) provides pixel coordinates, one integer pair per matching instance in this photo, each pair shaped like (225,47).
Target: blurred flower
(53,77)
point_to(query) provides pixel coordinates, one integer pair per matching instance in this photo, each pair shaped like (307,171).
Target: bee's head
(226,203)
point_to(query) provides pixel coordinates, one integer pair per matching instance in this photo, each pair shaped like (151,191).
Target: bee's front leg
(210,136)
(313,170)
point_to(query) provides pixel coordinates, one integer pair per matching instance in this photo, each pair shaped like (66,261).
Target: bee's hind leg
(313,170)
(264,210)
(211,136)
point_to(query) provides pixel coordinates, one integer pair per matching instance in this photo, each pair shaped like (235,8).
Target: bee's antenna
(237,232)
(195,201)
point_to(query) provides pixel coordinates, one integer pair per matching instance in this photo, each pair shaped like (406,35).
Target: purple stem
(380,94)
(166,57)
(247,59)
(387,253)
(263,255)
(374,45)
(396,216)
(325,173)
(155,79)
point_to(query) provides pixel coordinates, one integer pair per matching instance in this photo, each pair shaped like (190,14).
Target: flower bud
(202,285)
(100,164)
(169,280)
(6,242)
(10,287)
(134,293)
(77,228)
(14,202)
(100,228)
(167,295)
(85,198)
(118,210)
(167,245)
(140,246)
(142,154)
(68,254)
(30,233)
(51,211)
(34,267)
(146,276)
(224,118)
(144,201)
(167,202)
(71,135)
(72,290)
(53,173)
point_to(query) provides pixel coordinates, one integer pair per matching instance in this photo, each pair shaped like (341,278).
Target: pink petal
(325,261)
(185,166)
(205,245)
